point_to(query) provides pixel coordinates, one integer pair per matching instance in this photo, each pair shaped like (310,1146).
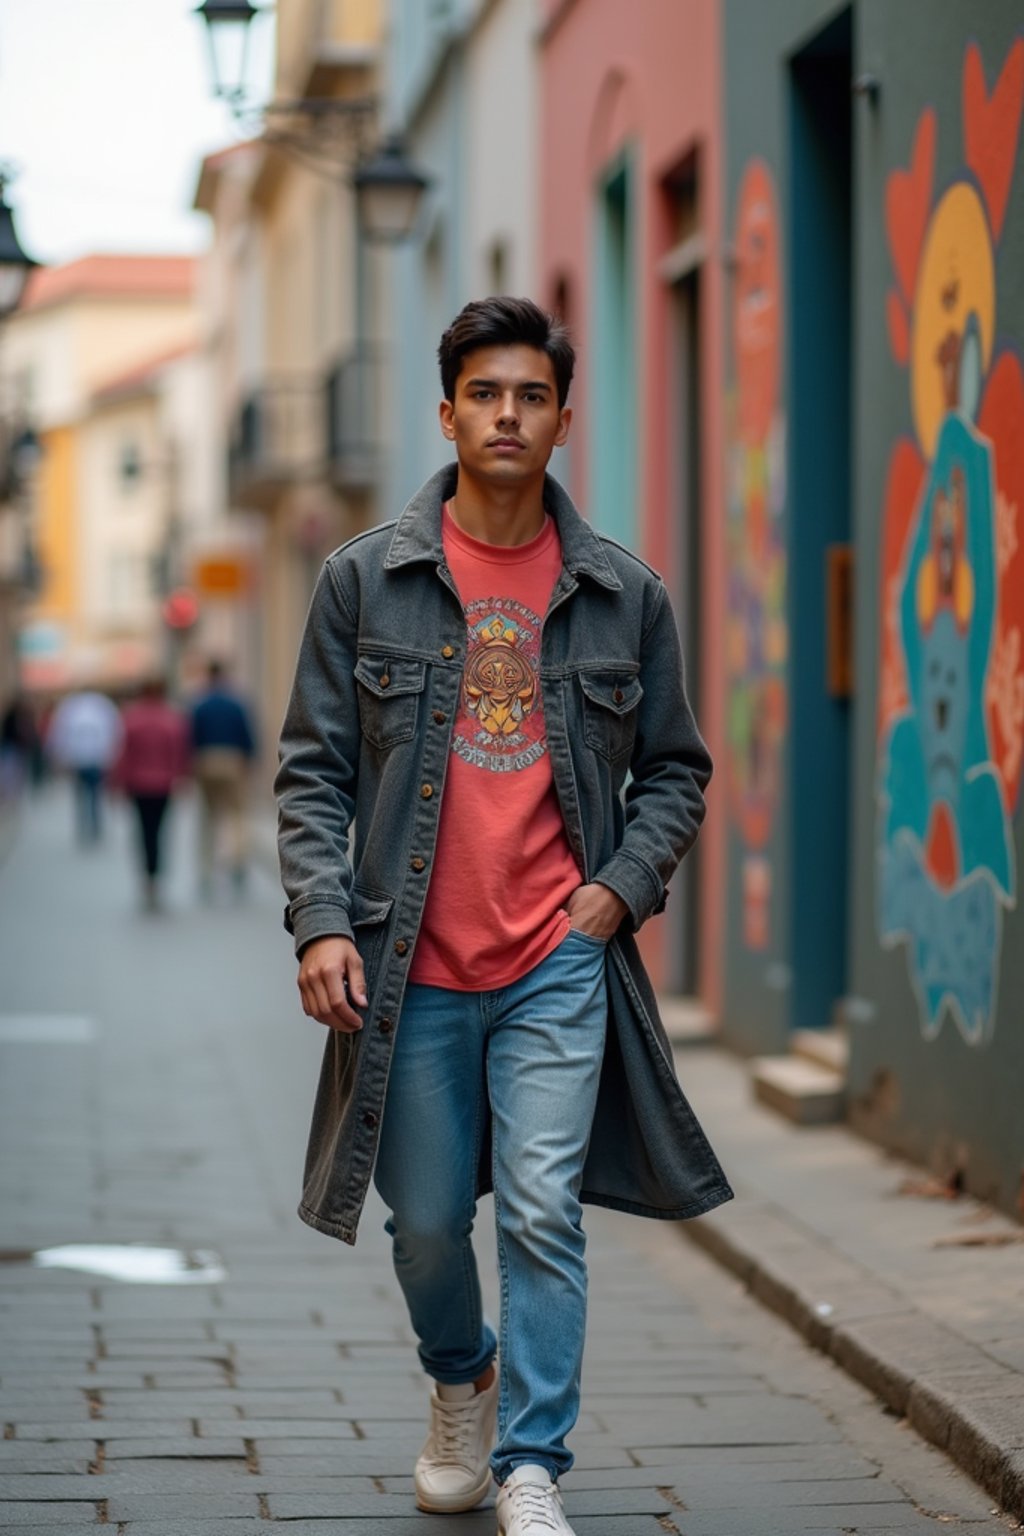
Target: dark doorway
(820,311)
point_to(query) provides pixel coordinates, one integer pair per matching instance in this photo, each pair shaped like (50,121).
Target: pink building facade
(629,177)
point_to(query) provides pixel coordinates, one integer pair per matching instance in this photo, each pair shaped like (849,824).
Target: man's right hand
(331,979)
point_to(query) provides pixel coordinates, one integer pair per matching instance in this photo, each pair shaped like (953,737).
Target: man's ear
(564,423)
(446,413)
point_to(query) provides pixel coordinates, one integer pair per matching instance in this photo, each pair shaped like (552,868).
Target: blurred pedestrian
(153,760)
(483,679)
(223,748)
(18,743)
(84,738)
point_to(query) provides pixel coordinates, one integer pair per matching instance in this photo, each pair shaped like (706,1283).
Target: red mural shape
(899,327)
(908,196)
(941,854)
(991,125)
(757,635)
(1001,418)
(756,309)
(903,487)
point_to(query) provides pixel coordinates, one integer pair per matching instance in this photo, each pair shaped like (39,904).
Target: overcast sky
(105,112)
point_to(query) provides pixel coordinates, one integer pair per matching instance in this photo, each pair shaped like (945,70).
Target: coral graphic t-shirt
(503,868)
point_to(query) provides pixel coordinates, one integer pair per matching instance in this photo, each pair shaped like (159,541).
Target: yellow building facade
(77,357)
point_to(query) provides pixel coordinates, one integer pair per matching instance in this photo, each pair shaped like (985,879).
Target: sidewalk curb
(919,1369)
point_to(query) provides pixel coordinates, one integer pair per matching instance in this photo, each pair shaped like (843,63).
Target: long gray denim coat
(365,745)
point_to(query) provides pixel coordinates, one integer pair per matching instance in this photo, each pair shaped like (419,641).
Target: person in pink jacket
(154,758)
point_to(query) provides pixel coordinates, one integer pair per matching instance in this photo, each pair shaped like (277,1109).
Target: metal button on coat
(384,680)
(418,864)
(440,716)
(447,652)
(370,1119)
(400,946)
(385,1026)
(618,695)
(426,791)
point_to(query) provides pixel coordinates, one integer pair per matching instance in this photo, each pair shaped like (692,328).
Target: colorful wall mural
(756,633)
(951,687)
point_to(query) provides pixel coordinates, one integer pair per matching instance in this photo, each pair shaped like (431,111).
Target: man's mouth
(505,442)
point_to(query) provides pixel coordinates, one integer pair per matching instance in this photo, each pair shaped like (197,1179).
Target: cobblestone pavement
(155,1080)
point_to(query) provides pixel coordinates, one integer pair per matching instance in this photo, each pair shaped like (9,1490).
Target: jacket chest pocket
(610,702)
(389,694)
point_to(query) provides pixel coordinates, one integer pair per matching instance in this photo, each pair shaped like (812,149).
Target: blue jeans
(89,797)
(530,1053)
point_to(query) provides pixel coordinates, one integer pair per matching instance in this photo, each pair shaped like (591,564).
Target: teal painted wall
(613,333)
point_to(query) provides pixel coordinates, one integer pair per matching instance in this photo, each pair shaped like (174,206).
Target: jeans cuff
(503,1467)
(472,1372)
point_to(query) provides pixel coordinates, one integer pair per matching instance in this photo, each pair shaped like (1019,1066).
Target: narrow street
(155,1079)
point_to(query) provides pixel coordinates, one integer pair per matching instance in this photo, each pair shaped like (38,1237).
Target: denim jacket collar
(417,534)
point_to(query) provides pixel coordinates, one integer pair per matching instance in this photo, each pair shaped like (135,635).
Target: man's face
(505,419)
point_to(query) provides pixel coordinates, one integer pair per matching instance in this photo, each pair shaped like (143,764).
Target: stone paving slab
(70,1457)
(71,1528)
(120,1429)
(184,1449)
(182,1506)
(47,1513)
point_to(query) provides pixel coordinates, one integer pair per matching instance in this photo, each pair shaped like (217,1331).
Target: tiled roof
(151,277)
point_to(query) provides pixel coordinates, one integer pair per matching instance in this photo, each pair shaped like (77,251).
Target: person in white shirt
(85,739)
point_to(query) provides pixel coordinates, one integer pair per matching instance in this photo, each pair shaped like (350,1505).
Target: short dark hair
(505,322)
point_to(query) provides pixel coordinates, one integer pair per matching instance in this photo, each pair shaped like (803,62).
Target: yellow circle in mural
(956,279)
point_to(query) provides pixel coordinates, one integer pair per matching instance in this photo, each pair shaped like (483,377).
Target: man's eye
(482,394)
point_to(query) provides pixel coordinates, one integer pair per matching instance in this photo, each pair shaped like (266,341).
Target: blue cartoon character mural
(951,699)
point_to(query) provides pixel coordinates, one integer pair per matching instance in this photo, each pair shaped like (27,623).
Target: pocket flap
(387,676)
(369,908)
(614,691)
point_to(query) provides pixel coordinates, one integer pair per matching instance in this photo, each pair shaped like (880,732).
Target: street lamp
(389,194)
(326,132)
(15,265)
(227,29)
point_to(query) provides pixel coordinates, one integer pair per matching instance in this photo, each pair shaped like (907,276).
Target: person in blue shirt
(223,748)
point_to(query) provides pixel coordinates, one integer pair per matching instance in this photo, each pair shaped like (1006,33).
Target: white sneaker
(453,1472)
(529,1504)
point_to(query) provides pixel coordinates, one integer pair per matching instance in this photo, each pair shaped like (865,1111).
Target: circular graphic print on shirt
(501,720)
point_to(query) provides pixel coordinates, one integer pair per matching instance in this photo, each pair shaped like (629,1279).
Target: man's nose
(508,411)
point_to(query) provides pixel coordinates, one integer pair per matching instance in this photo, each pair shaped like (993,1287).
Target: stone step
(827,1047)
(801,1090)
(687,1021)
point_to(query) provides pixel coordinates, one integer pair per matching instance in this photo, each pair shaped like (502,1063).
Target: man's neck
(504,515)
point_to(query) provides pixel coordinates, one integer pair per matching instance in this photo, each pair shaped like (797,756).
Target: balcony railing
(278,440)
(354,417)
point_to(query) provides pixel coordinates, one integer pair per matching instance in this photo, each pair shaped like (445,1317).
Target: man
(223,747)
(476,685)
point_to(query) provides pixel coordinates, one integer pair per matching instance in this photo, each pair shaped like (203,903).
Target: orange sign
(221,576)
